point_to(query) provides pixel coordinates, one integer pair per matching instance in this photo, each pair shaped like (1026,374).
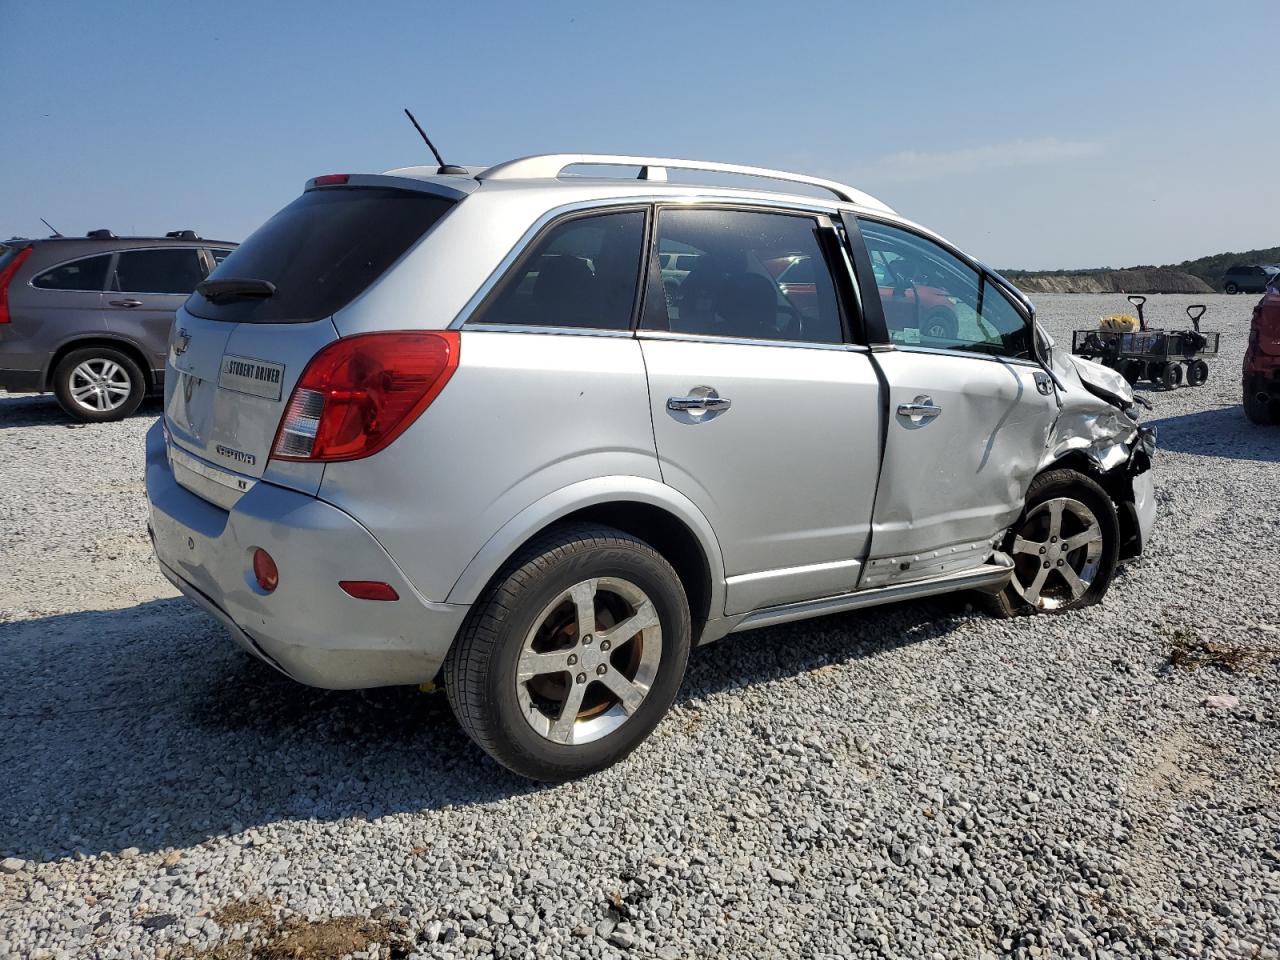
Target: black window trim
(513,263)
(848,300)
(115,262)
(111,267)
(862,266)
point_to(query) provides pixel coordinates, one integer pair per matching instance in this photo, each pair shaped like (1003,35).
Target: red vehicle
(1262,360)
(907,305)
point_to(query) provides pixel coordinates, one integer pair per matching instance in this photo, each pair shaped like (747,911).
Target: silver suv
(431,421)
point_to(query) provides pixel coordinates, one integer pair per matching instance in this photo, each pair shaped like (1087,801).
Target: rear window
(321,251)
(89,274)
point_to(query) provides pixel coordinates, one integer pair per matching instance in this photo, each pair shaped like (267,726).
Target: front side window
(582,272)
(176,270)
(87,274)
(932,298)
(734,286)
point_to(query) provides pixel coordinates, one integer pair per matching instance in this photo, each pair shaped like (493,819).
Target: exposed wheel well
(1119,487)
(667,534)
(124,346)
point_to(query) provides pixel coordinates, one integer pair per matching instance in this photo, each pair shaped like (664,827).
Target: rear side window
(321,251)
(736,286)
(219,254)
(581,273)
(176,270)
(87,274)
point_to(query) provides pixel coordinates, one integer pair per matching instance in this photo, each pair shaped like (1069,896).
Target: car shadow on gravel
(1221,432)
(146,727)
(42,410)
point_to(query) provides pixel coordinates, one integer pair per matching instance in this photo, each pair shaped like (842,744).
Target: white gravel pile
(912,782)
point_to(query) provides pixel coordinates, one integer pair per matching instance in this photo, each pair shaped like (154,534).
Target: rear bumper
(308,628)
(1262,370)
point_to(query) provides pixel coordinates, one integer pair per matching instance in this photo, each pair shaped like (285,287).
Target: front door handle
(699,403)
(920,409)
(130,302)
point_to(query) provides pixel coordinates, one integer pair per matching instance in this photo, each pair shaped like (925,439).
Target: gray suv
(88,318)
(454,420)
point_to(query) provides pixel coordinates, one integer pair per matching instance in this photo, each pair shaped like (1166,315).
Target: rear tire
(1197,373)
(940,325)
(1260,411)
(1231,288)
(99,384)
(1050,574)
(540,694)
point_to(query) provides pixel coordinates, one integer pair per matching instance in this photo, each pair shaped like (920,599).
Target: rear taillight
(360,393)
(331,179)
(6,277)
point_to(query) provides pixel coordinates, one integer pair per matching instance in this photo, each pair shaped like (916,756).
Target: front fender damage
(1098,423)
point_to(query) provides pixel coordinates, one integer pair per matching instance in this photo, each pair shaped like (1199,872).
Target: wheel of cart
(1132,370)
(1197,373)
(1167,374)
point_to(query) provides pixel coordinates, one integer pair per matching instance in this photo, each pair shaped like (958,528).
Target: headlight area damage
(1097,428)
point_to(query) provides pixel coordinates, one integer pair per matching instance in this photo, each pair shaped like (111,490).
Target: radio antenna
(444,167)
(50,226)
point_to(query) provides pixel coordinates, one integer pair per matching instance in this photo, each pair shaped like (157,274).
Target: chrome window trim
(547,329)
(643,334)
(961,354)
(604,204)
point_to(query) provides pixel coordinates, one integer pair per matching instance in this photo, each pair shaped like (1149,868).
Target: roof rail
(549,166)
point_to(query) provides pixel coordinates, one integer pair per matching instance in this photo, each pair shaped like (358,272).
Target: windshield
(320,252)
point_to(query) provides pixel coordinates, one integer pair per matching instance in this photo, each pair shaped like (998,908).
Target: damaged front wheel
(1064,546)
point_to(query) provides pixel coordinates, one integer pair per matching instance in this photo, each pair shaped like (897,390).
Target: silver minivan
(473,423)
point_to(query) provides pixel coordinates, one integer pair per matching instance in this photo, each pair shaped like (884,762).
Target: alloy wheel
(1057,552)
(589,660)
(100,385)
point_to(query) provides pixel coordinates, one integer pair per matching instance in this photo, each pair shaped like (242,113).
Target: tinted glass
(321,251)
(582,273)
(732,287)
(176,270)
(219,254)
(87,274)
(932,298)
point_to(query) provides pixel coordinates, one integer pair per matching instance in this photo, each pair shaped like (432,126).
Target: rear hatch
(244,338)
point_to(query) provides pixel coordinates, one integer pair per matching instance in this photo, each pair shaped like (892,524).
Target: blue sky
(1031,134)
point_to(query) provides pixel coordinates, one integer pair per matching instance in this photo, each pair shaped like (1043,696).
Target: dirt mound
(1140,280)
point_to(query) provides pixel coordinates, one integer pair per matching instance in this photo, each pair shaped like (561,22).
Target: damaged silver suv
(462,420)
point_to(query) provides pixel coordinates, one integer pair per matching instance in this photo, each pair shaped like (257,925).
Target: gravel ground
(916,781)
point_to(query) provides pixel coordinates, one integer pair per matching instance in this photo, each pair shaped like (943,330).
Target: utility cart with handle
(1164,357)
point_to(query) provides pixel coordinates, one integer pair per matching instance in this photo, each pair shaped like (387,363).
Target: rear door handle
(130,302)
(699,403)
(920,409)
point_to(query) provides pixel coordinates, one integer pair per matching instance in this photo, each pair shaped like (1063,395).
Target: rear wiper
(229,291)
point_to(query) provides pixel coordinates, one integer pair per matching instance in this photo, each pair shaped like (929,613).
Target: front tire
(98,384)
(1231,288)
(1064,546)
(572,655)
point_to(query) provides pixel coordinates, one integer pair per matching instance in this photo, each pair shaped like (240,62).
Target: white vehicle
(434,420)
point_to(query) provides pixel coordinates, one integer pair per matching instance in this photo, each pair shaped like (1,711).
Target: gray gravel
(918,781)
